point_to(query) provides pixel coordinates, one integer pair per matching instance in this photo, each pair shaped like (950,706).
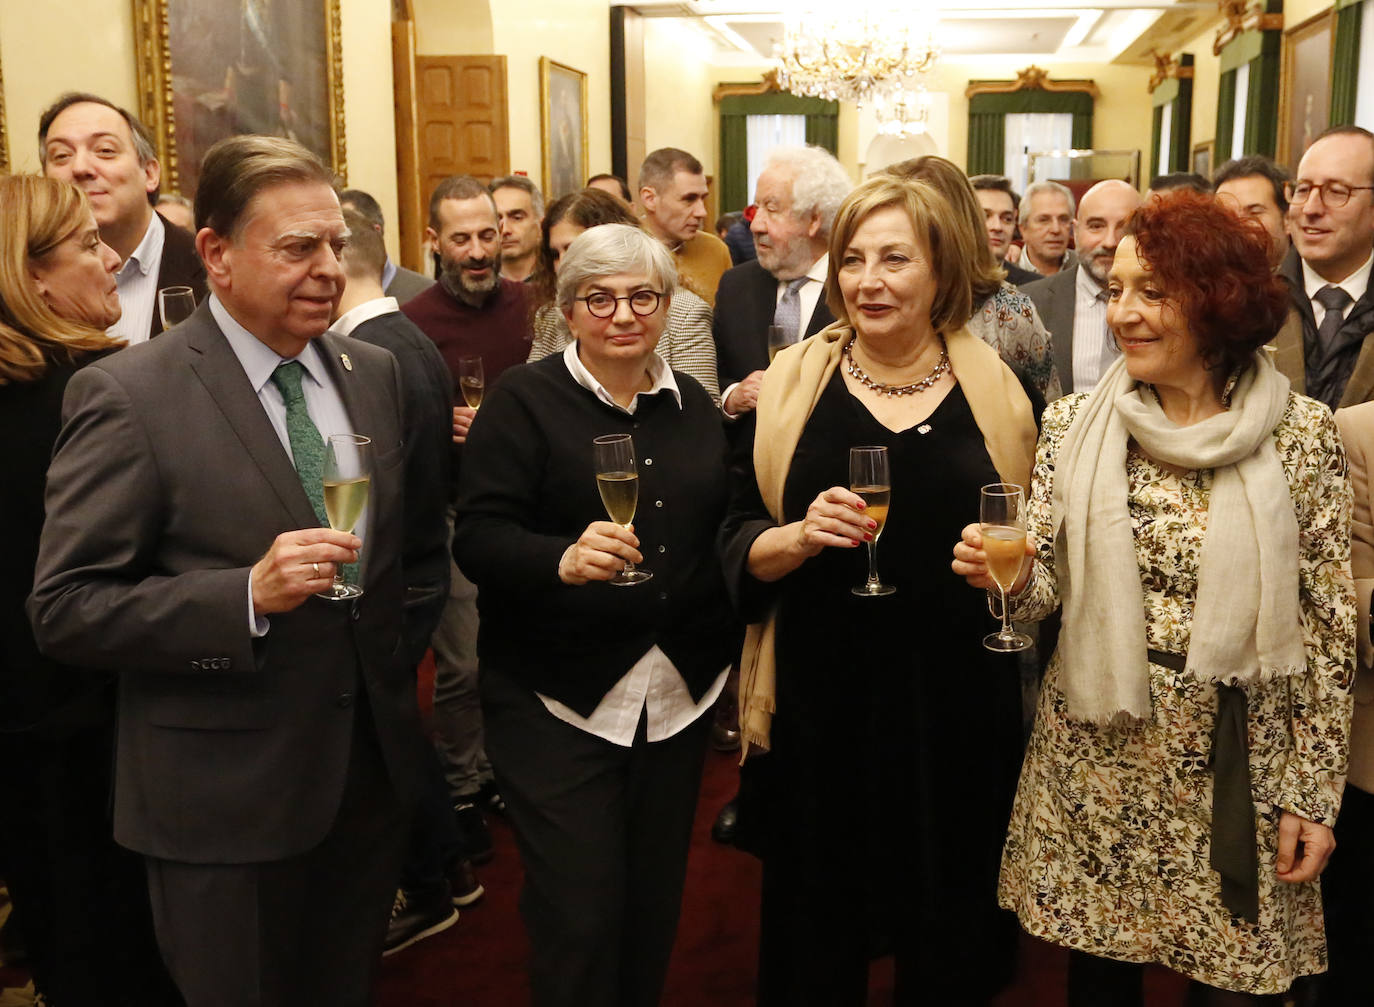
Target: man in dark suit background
(397,281)
(1073,302)
(1000,203)
(1331,222)
(797,196)
(105,151)
(267,737)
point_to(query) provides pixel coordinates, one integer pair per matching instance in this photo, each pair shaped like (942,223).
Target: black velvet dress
(881,808)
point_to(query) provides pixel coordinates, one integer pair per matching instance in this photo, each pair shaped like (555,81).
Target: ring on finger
(316,567)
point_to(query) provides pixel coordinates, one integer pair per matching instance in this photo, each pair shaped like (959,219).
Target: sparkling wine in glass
(471,381)
(618,481)
(778,339)
(871,479)
(347,479)
(175,305)
(1002,523)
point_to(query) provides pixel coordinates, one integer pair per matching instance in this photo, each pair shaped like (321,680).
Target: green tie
(307,446)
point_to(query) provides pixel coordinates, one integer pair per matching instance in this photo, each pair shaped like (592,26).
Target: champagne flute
(871,478)
(471,381)
(778,340)
(347,479)
(174,305)
(1002,523)
(618,481)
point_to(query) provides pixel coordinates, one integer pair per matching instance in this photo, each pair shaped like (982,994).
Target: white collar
(659,372)
(365,312)
(1355,284)
(149,250)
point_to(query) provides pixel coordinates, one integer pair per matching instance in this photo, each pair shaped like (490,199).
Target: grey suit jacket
(1357,431)
(167,483)
(406,284)
(1054,297)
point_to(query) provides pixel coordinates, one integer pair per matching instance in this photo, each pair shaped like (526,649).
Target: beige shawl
(792,386)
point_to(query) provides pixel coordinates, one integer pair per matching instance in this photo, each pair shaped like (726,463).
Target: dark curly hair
(1214,264)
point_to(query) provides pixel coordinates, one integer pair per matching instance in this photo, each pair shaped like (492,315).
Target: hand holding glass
(1002,524)
(618,480)
(175,305)
(871,479)
(347,479)
(471,381)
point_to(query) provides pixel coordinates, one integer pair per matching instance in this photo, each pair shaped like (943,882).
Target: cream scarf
(792,386)
(1246,621)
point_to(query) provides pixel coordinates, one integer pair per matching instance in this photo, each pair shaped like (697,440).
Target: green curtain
(987,122)
(1226,118)
(1345,65)
(987,134)
(1261,120)
(732,183)
(1156,133)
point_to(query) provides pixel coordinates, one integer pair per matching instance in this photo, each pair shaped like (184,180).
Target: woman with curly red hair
(1191,517)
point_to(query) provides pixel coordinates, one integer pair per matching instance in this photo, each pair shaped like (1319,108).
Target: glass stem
(1006,622)
(873,564)
(629,567)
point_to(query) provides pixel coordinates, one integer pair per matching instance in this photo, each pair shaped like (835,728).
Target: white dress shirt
(365,312)
(809,295)
(1355,285)
(653,684)
(136,282)
(1094,349)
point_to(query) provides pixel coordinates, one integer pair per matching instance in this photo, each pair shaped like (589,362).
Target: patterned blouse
(687,344)
(1107,850)
(1008,322)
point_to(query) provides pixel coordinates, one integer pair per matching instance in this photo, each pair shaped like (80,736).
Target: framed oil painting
(563,116)
(1305,86)
(212,70)
(1202,158)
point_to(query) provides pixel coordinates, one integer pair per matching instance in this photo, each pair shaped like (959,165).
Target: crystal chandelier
(902,108)
(856,51)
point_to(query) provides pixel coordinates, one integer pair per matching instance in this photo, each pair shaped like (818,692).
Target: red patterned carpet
(479,962)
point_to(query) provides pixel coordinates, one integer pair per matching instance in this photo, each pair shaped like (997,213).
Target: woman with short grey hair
(595,692)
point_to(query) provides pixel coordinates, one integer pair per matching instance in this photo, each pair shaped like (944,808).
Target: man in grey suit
(397,281)
(1073,302)
(268,737)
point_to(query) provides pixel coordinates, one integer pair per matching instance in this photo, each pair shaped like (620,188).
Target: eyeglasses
(603,305)
(1333,194)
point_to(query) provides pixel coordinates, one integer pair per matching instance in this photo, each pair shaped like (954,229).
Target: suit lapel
(215,364)
(1061,328)
(1288,351)
(356,401)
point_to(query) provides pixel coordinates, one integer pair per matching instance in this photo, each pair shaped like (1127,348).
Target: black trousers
(603,833)
(1348,897)
(305,930)
(80,900)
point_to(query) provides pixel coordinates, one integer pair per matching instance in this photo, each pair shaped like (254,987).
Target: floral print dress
(1107,850)
(1008,322)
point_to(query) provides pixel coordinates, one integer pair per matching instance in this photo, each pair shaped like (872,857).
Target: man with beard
(1073,302)
(471,312)
(797,195)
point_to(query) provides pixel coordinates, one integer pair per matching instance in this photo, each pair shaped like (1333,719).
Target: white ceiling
(1077,31)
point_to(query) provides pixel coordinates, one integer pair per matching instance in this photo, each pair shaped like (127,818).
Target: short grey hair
(524,185)
(1037,187)
(819,182)
(610,249)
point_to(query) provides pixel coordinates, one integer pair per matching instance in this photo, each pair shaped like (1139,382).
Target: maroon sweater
(499,332)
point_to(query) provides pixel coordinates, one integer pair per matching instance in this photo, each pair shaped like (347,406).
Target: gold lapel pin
(348,364)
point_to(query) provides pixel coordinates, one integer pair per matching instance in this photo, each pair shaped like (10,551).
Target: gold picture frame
(206,71)
(1305,85)
(1202,158)
(563,128)
(4,130)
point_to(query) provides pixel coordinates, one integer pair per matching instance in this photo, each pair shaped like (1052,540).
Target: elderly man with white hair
(797,194)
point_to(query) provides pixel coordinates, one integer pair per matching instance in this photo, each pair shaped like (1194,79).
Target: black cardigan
(528,490)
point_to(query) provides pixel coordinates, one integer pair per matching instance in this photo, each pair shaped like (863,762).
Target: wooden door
(461,118)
